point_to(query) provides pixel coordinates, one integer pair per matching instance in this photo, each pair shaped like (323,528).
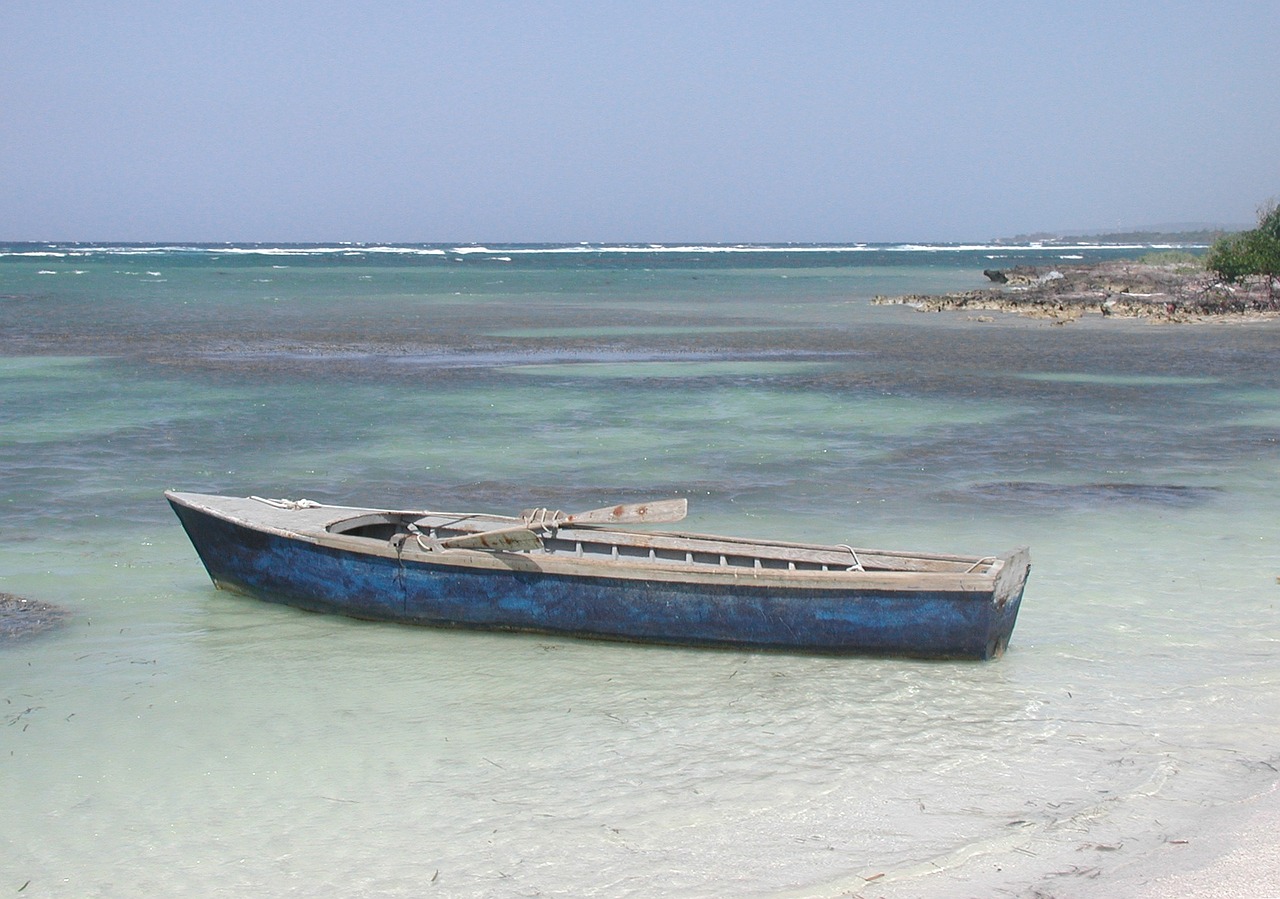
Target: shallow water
(177,740)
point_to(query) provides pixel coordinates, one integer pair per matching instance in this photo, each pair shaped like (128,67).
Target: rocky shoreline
(1160,291)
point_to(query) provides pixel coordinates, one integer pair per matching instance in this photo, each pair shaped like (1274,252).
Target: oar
(518,539)
(656,512)
(505,540)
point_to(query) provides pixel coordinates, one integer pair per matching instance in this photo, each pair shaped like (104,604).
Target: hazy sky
(631,121)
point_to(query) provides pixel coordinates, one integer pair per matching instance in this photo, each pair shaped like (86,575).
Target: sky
(631,121)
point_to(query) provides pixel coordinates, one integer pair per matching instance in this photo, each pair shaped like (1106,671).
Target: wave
(506,252)
(786,248)
(225,250)
(556,249)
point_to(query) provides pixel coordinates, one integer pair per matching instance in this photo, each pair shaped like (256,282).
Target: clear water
(174,740)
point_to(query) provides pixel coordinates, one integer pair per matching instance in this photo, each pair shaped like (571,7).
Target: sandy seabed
(1236,855)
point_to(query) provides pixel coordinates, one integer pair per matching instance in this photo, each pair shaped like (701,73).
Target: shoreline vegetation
(1236,280)
(1162,287)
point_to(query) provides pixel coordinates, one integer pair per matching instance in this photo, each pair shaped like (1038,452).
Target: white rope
(542,518)
(857,563)
(293,505)
(427,543)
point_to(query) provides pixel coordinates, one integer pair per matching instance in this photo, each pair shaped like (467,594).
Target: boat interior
(427,530)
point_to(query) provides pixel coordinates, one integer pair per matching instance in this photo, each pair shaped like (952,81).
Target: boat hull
(517,595)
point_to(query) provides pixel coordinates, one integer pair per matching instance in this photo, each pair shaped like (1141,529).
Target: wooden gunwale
(643,568)
(837,557)
(743,548)
(639,567)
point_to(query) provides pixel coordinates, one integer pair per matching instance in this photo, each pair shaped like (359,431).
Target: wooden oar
(656,512)
(523,539)
(505,540)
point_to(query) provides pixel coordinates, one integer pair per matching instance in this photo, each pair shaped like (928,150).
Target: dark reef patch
(1178,495)
(21,617)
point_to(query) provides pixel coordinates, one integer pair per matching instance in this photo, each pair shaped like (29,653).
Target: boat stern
(1006,598)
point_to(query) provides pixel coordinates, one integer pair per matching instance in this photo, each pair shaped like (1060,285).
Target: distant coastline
(1176,290)
(1187,235)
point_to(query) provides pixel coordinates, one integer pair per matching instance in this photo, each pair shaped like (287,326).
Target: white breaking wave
(508,252)
(1003,248)
(229,250)
(555,249)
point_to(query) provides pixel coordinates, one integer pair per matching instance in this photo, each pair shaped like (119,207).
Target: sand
(1235,855)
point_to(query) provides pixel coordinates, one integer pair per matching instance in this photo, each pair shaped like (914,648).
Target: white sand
(1236,857)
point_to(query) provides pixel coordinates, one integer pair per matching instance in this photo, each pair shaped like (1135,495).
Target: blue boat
(586,575)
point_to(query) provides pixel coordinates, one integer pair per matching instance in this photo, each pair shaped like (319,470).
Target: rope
(857,563)
(293,505)
(425,542)
(542,518)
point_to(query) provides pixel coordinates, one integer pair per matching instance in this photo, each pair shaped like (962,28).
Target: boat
(591,574)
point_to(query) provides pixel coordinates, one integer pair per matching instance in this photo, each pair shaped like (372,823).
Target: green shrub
(1239,256)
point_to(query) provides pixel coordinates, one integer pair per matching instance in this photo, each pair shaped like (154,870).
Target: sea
(170,739)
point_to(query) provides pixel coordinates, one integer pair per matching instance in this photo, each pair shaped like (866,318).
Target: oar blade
(656,512)
(506,540)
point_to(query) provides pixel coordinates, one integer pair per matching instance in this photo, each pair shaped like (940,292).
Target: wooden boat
(584,575)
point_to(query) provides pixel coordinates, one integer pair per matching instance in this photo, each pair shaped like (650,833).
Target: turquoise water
(176,740)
